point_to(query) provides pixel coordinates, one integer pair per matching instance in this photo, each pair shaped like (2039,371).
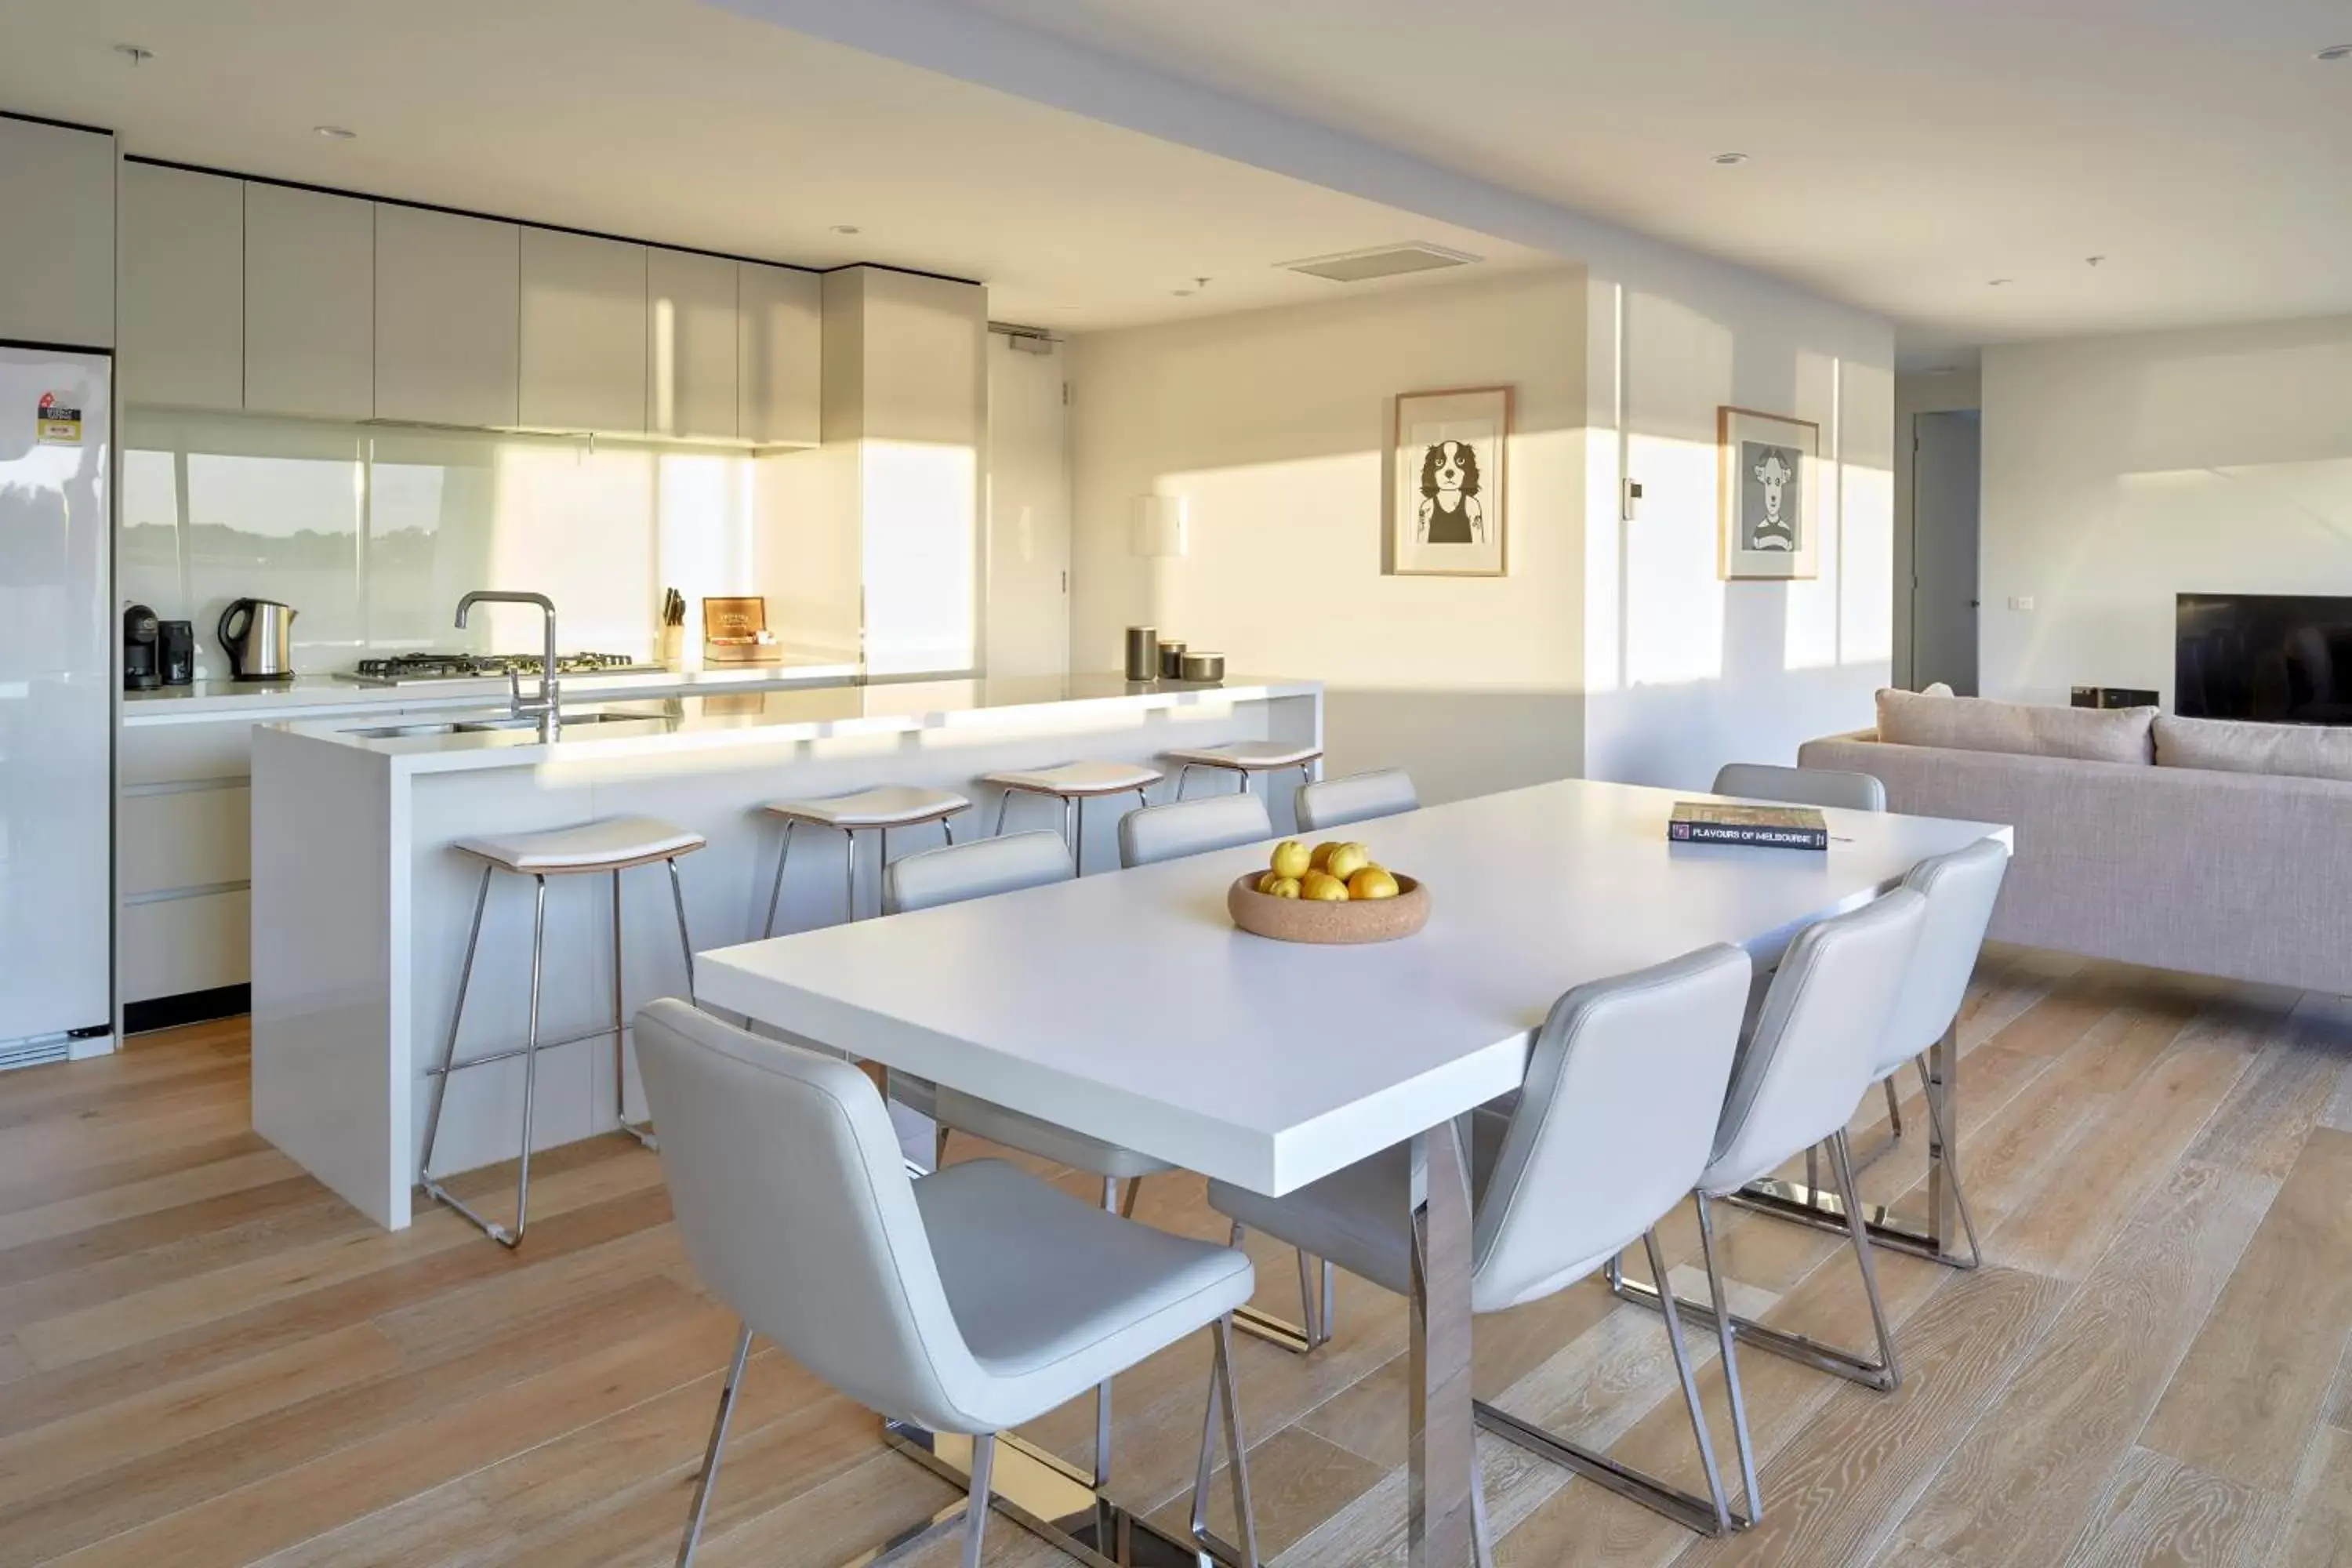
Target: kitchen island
(361,904)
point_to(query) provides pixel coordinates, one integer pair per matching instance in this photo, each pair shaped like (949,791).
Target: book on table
(1775,826)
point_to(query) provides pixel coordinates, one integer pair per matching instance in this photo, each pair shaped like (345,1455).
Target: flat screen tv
(2283,658)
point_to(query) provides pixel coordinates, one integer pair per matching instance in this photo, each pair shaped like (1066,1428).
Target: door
(56,682)
(1944,466)
(1028,509)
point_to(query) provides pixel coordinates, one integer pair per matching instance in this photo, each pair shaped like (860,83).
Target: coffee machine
(176,641)
(141,656)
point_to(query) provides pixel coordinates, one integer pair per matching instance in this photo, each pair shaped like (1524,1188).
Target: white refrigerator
(57,704)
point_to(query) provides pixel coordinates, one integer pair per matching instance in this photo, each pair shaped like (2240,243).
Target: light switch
(2021,601)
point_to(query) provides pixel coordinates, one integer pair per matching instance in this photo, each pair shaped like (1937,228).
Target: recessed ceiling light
(1999,282)
(1179,293)
(133,53)
(845,228)
(1943,370)
(335,132)
(2334,52)
(1730,159)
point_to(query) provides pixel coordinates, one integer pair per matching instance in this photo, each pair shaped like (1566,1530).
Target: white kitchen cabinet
(57,235)
(181,838)
(309,303)
(779,350)
(691,336)
(584,332)
(169,947)
(183,279)
(447,318)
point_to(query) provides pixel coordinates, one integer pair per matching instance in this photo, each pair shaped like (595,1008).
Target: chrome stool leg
(777,892)
(640,1130)
(450,1045)
(1102,1389)
(849,916)
(1183,777)
(529,1054)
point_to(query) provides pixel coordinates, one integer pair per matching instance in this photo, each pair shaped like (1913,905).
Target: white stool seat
(1019,1130)
(603,846)
(1248,756)
(889,806)
(1075,779)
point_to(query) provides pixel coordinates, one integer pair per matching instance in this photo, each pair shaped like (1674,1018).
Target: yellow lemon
(1347,860)
(1265,884)
(1291,859)
(1324,888)
(1371,882)
(1283,888)
(1321,860)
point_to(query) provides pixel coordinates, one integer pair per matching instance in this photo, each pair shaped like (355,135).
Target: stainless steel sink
(491,726)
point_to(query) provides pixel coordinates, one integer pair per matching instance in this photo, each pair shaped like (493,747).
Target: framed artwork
(1446,516)
(1769,514)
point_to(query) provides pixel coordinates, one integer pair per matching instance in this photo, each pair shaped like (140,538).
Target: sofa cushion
(2232,746)
(1975,724)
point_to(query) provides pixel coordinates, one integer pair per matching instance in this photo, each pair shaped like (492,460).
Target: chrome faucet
(541,707)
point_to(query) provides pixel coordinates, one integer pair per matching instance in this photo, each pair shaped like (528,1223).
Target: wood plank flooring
(206,1359)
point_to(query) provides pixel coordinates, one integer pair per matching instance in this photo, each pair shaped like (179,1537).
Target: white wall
(2121,471)
(1274,425)
(1684,671)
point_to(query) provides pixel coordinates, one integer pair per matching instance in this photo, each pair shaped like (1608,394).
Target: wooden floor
(206,1359)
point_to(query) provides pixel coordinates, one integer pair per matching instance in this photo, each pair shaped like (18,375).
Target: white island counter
(361,905)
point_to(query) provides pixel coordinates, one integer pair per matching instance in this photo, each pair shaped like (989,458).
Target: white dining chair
(1358,797)
(981,869)
(1801,787)
(1153,833)
(1616,1121)
(1838,791)
(952,1301)
(1804,1064)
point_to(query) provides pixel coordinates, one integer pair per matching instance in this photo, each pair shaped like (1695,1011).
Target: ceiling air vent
(1381,261)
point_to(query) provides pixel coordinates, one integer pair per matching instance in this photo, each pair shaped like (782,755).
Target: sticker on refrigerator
(56,424)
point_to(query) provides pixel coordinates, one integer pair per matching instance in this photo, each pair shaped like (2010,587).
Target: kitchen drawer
(178,754)
(183,839)
(170,946)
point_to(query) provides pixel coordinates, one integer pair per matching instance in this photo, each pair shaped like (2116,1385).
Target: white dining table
(1127,1006)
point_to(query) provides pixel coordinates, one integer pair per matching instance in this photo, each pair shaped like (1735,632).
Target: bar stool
(615,844)
(1245,759)
(880,809)
(1075,784)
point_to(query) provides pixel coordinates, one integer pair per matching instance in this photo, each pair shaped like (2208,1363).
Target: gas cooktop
(415,669)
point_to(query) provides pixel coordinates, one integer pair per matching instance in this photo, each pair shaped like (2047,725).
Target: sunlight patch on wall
(921,551)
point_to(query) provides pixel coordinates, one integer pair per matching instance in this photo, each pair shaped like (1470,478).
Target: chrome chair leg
(1327,1321)
(711,1453)
(1690,1385)
(975,1507)
(1721,1303)
(1813,1175)
(1940,1147)
(1893,1106)
(450,1045)
(1890,1371)
(1223,1394)
(777,892)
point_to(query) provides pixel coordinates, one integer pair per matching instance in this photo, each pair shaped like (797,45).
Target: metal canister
(1203,667)
(1143,653)
(1171,661)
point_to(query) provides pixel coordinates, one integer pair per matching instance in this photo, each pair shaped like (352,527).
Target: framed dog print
(1446,515)
(1769,514)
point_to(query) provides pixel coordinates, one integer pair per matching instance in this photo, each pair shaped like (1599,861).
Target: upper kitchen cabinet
(57,236)
(309,303)
(584,332)
(182,281)
(779,350)
(691,339)
(447,318)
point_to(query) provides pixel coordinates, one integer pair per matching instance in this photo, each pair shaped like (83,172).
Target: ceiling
(1902,153)
(675,121)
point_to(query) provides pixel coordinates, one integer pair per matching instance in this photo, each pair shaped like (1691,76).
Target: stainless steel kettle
(257,636)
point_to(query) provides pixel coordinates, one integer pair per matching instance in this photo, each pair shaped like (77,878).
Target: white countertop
(1126,1005)
(264,700)
(667,725)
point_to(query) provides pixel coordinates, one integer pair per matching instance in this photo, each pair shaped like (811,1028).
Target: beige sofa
(2140,837)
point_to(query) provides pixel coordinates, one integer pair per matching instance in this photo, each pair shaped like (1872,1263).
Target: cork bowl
(1326,925)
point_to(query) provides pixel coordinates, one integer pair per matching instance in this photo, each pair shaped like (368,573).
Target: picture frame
(1768,509)
(1448,491)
